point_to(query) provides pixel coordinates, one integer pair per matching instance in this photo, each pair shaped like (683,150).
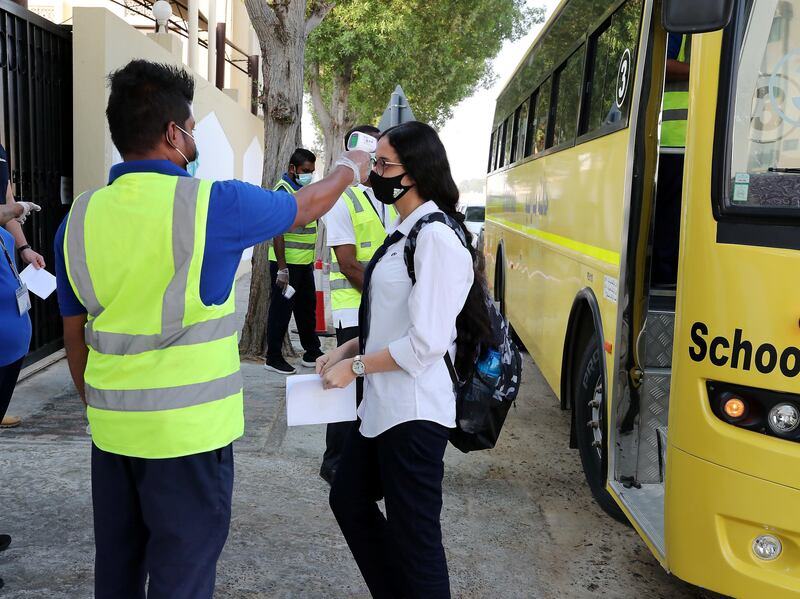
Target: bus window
(568,92)
(508,130)
(521,131)
(515,136)
(501,146)
(612,61)
(498,135)
(542,116)
(530,104)
(765,157)
(491,153)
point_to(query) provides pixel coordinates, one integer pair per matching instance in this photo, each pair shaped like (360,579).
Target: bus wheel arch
(584,389)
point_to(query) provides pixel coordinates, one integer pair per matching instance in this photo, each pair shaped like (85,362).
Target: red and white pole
(320,314)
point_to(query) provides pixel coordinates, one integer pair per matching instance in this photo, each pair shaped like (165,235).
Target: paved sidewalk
(518,521)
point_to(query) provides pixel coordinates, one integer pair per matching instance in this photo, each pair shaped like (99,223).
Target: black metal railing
(36,130)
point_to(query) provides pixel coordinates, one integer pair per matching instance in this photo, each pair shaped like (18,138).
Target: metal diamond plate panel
(653,416)
(659,331)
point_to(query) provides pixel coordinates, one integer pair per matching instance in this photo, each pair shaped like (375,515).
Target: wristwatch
(358,367)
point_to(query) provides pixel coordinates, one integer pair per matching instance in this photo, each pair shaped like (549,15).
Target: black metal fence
(36,130)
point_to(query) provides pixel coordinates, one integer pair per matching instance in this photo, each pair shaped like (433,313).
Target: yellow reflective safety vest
(162,377)
(676,104)
(370,234)
(300,243)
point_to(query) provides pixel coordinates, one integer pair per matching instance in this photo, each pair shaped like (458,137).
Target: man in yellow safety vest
(674,115)
(356,228)
(145,268)
(291,269)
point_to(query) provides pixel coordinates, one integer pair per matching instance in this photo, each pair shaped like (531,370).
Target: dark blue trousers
(166,520)
(400,555)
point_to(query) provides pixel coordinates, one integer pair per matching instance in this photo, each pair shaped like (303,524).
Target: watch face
(358,367)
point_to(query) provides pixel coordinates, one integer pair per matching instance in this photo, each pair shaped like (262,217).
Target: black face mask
(388,189)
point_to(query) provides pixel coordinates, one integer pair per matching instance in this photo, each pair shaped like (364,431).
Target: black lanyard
(10,261)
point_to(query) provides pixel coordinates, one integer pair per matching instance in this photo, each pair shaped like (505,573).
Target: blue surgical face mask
(194,164)
(305,178)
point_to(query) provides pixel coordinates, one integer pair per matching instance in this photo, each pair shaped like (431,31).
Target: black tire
(592,440)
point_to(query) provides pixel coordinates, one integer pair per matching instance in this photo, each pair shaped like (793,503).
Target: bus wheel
(591,427)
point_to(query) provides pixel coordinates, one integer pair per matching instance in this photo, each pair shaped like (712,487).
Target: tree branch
(262,16)
(316,97)
(319,9)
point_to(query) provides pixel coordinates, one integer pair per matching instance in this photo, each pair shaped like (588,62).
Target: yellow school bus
(684,391)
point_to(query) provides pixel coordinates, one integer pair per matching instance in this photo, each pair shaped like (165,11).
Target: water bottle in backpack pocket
(476,400)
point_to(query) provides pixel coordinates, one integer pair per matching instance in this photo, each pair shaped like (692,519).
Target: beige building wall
(238,30)
(229,138)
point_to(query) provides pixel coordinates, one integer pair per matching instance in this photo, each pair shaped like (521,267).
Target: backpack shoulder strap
(411,239)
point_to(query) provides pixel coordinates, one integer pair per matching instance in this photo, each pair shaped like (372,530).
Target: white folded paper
(39,282)
(308,403)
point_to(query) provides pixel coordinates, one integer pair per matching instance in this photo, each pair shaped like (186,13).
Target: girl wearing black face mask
(408,401)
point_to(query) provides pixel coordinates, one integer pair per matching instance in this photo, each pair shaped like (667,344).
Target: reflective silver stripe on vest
(336,268)
(675,114)
(165,398)
(120,344)
(183,231)
(76,249)
(340,284)
(366,244)
(297,245)
(354,197)
(307,230)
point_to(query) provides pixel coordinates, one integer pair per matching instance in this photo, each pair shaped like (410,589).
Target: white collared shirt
(418,325)
(340,231)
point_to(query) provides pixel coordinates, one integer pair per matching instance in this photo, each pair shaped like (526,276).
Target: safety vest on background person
(301,242)
(676,104)
(162,377)
(370,233)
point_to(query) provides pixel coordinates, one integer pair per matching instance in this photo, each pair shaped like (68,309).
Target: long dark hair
(425,160)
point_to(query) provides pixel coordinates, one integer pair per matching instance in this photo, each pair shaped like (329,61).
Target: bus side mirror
(696,16)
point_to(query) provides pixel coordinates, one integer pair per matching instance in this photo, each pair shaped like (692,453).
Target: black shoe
(2,584)
(310,358)
(327,474)
(5,541)
(280,366)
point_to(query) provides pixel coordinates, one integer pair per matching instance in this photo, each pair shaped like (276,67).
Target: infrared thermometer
(362,141)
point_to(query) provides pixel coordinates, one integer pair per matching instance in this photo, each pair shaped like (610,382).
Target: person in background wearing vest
(15,323)
(26,253)
(666,234)
(356,228)
(146,268)
(291,264)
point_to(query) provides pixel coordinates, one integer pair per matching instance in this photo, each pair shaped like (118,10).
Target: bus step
(658,332)
(652,424)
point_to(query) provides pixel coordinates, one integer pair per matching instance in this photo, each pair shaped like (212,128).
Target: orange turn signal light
(734,407)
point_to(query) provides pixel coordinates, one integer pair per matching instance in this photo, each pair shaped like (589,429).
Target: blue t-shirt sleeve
(674,42)
(244,215)
(68,302)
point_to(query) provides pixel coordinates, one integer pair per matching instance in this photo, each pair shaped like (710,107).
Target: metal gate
(36,130)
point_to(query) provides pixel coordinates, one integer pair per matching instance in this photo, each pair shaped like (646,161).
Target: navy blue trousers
(400,555)
(166,520)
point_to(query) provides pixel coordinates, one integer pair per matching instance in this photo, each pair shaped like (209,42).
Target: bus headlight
(767,547)
(783,418)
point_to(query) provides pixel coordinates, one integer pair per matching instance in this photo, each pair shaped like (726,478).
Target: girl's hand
(327,360)
(338,375)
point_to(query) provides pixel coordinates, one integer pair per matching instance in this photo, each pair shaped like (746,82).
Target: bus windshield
(765,157)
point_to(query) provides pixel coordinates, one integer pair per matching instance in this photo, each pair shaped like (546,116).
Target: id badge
(23,300)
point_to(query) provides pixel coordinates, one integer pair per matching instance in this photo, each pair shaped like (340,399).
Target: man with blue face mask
(291,265)
(145,268)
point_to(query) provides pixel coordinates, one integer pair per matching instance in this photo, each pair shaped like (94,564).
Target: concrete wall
(230,139)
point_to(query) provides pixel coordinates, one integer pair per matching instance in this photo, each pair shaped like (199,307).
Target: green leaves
(439,51)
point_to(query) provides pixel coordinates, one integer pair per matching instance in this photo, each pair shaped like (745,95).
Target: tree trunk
(282,29)
(335,121)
